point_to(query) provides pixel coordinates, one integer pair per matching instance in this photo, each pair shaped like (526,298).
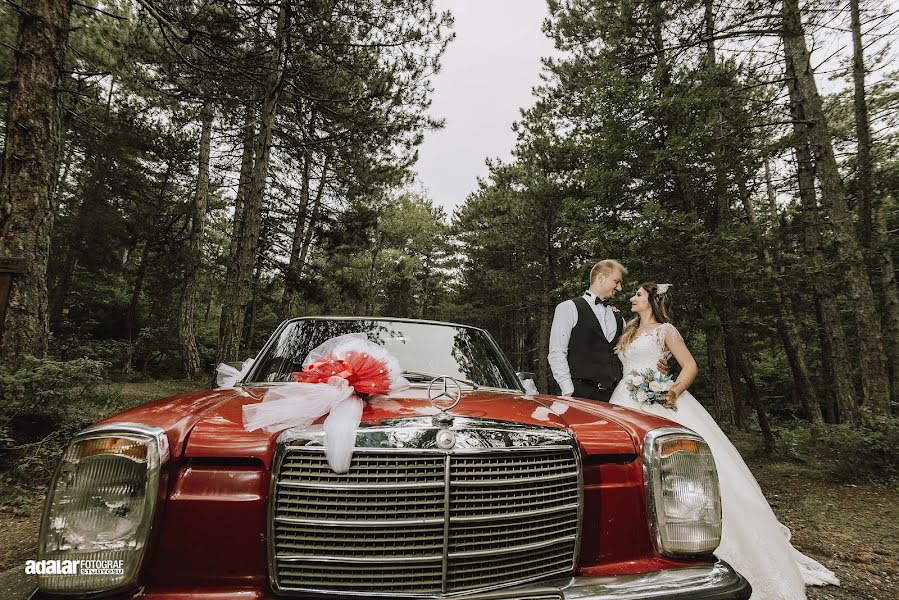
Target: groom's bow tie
(599,300)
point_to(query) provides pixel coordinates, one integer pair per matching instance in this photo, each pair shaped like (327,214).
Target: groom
(584,333)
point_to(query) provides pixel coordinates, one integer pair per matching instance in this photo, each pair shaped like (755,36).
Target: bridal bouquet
(335,379)
(648,386)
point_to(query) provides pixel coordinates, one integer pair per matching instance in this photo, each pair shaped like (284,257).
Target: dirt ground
(853,529)
(18,532)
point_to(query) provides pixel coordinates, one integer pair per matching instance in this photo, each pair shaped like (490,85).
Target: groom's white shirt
(564,321)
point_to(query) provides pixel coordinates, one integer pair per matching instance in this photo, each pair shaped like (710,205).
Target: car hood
(210,424)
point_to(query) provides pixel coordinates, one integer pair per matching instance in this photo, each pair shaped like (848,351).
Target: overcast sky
(487,75)
(494,62)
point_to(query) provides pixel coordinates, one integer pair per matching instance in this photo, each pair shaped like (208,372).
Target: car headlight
(100,508)
(683,497)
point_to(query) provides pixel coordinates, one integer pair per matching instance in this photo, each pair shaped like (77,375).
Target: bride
(753,541)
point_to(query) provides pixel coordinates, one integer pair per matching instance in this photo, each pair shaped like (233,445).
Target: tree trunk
(291,278)
(28,172)
(230,325)
(248,154)
(92,192)
(757,402)
(245,243)
(871,212)
(372,272)
(827,366)
(733,373)
(720,223)
(131,315)
(890,302)
(543,327)
(187,342)
(709,20)
(836,359)
(313,222)
(784,320)
(302,238)
(247,343)
(874,377)
(862,129)
(721,388)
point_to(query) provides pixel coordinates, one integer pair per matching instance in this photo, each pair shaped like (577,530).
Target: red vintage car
(495,494)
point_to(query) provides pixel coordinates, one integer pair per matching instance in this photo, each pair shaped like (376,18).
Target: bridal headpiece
(662,288)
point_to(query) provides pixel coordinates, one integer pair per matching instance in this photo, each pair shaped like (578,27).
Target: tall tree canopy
(205,171)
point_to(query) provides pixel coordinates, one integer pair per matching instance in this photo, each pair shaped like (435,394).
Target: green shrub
(847,453)
(864,452)
(43,404)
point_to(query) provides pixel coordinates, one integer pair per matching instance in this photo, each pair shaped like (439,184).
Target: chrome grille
(427,522)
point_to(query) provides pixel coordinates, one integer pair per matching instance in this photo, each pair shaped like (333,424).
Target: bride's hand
(671,399)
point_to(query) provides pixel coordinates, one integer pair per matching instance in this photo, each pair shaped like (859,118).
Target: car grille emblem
(446,439)
(444,393)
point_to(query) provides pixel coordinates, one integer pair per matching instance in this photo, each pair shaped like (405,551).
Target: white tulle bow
(226,375)
(300,404)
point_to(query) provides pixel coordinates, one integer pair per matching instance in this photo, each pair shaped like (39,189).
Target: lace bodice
(645,351)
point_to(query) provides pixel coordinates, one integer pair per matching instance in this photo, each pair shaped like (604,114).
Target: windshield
(423,349)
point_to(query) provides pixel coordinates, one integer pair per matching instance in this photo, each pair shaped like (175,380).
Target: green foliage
(352,106)
(47,382)
(630,153)
(383,258)
(44,403)
(864,452)
(846,453)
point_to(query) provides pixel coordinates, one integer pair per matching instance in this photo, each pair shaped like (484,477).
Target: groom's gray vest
(590,355)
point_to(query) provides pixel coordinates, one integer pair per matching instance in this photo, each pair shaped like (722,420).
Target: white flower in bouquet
(656,386)
(641,396)
(635,380)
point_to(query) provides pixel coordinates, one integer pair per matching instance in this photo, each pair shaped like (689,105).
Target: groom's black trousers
(584,388)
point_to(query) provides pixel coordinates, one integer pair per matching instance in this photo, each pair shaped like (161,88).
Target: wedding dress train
(753,541)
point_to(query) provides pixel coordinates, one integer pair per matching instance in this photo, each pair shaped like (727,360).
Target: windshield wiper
(426,376)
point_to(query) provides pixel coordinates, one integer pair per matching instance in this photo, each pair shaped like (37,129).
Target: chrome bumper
(716,581)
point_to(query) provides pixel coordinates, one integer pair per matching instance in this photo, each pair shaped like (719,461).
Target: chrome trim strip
(419,433)
(358,523)
(444,569)
(580,506)
(505,516)
(672,584)
(515,481)
(359,486)
(438,451)
(684,583)
(533,546)
(270,543)
(108,429)
(358,559)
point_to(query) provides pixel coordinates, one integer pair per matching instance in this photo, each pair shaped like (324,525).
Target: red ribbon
(366,374)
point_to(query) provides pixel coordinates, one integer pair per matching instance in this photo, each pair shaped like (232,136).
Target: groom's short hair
(605,267)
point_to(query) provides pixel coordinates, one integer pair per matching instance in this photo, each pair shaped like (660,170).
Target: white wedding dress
(753,541)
